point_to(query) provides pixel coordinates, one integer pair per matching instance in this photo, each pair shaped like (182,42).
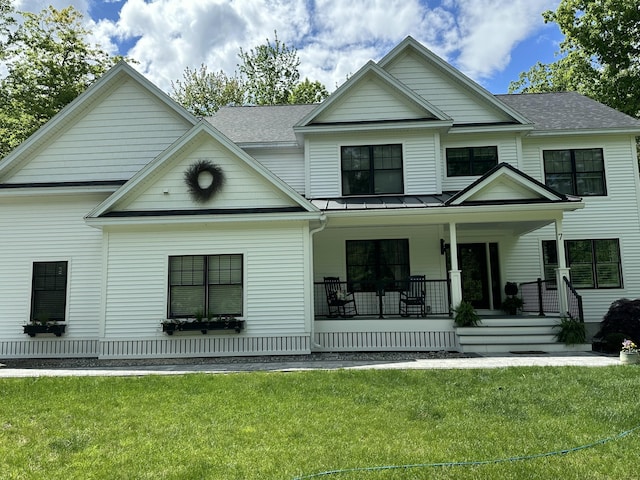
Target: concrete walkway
(582,359)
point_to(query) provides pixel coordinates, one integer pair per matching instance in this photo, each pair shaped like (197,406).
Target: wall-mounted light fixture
(443,246)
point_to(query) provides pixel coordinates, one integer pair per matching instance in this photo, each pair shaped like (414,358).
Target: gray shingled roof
(260,124)
(563,111)
(567,111)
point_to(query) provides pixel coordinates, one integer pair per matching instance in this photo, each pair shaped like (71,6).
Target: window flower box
(204,326)
(32,329)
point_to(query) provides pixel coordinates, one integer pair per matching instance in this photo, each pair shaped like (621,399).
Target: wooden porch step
(514,334)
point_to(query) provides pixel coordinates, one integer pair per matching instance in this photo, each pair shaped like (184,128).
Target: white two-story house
(359,223)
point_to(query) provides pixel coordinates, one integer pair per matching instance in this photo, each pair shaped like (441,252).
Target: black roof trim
(375,122)
(207,211)
(92,183)
(563,197)
(485,124)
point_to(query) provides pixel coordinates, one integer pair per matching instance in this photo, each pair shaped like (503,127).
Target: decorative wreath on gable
(192,176)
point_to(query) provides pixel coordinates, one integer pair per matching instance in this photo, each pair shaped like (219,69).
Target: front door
(480,273)
(472,259)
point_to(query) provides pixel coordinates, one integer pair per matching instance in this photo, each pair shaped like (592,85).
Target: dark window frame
(549,249)
(48,277)
(204,277)
(375,275)
(349,175)
(572,174)
(476,164)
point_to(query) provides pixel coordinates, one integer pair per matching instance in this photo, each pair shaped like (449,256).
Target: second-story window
(372,170)
(471,161)
(575,171)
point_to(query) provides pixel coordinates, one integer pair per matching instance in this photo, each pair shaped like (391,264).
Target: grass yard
(294,425)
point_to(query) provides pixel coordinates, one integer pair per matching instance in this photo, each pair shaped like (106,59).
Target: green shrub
(623,317)
(466,315)
(572,331)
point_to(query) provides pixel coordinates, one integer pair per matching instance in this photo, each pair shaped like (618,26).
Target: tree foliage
(308,92)
(268,75)
(203,92)
(49,62)
(271,72)
(6,22)
(599,57)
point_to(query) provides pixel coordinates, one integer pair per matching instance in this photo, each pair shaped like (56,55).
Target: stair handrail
(573,298)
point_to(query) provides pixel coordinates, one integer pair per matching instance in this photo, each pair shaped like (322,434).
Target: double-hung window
(471,161)
(372,170)
(49,291)
(575,171)
(377,264)
(209,285)
(592,263)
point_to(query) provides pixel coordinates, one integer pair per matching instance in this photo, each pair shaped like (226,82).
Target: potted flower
(42,324)
(512,304)
(629,353)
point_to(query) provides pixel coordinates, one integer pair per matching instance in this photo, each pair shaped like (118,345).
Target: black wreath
(198,193)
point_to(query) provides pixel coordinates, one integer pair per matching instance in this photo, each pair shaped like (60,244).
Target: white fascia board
(54,191)
(100,222)
(450,212)
(268,145)
(609,131)
(490,129)
(367,127)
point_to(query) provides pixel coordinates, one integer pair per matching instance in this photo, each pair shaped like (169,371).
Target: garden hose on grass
(472,463)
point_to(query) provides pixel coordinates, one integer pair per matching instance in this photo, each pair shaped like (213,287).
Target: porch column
(562,271)
(454,273)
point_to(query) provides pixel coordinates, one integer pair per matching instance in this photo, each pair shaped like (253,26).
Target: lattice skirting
(219,346)
(385,341)
(176,346)
(49,348)
(205,346)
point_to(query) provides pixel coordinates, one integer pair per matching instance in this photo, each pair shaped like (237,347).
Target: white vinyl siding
(50,229)
(613,216)
(456,100)
(419,161)
(243,187)
(274,275)
(116,138)
(286,164)
(507,153)
(371,100)
(330,249)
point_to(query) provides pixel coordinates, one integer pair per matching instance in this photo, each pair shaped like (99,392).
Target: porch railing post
(540,299)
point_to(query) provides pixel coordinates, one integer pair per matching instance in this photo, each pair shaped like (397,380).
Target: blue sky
(491,41)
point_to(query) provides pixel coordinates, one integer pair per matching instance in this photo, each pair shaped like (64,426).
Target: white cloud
(334,38)
(489,29)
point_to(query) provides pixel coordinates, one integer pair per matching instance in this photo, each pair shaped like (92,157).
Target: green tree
(203,92)
(599,57)
(271,72)
(308,92)
(49,63)
(6,21)
(270,76)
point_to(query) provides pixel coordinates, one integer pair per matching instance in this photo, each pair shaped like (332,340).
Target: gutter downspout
(312,310)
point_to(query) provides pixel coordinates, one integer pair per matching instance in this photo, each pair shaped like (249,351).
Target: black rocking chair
(341,302)
(413,298)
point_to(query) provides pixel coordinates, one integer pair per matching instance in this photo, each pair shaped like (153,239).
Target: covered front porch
(389,274)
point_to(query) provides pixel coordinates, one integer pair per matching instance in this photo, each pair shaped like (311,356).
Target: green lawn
(289,425)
